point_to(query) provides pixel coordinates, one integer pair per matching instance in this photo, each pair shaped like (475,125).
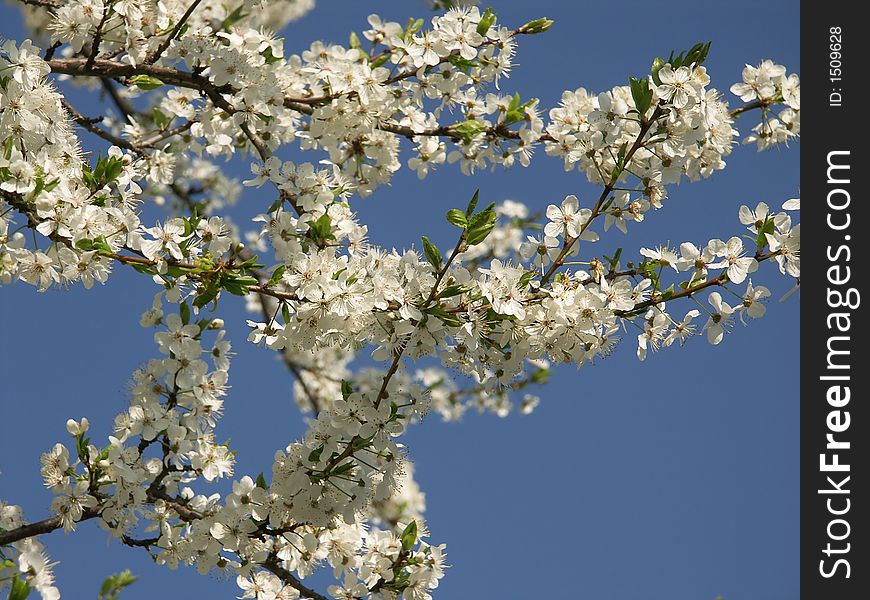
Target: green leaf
(463,64)
(238,285)
(697,54)
(615,173)
(615,260)
(145,82)
(320,230)
(409,536)
(481,225)
(344,468)
(442,315)
(261,482)
(85,244)
(641,94)
(185,312)
(433,255)
(468,130)
(277,274)
(457,217)
(161,119)
(454,290)
(413,26)
(113,584)
(380,61)
(7,147)
(314,456)
(205,296)
(472,204)
(486,21)
(82,447)
(232,18)
(346,389)
(354,40)
(540,376)
(620,155)
(19,590)
(525,279)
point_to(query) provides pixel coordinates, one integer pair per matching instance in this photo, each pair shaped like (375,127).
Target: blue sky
(675,478)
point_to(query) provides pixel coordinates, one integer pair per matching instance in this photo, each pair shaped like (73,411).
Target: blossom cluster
(193,84)
(25,561)
(323,490)
(767,85)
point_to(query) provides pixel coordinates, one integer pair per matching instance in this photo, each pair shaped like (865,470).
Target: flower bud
(78,428)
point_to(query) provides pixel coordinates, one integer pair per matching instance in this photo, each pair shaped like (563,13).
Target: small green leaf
(454,290)
(481,225)
(185,312)
(380,61)
(413,26)
(486,21)
(641,94)
(277,274)
(433,255)
(472,204)
(261,482)
(113,585)
(540,376)
(525,279)
(463,64)
(457,217)
(19,590)
(442,315)
(320,230)
(346,389)
(233,18)
(409,536)
(145,82)
(468,130)
(344,468)
(354,40)
(161,119)
(314,456)
(205,296)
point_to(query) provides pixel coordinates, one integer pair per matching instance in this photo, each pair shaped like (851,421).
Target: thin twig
(153,57)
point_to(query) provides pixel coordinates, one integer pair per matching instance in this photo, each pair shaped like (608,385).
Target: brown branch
(98,35)
(394,366)
(90,125)
(570,241)
(43,3)
(720,279)
(159,137)
(120,102)
(747,107)
(274,566)
(145,543)
(40,528)
(111,69)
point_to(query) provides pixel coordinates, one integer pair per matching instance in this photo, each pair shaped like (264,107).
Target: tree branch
(273,566)
(40,528)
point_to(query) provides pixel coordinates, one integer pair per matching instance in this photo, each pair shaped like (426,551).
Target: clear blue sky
(672,479)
